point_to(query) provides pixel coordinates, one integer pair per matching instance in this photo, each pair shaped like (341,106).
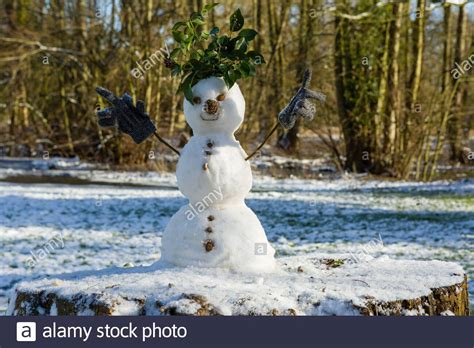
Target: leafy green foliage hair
(201,54)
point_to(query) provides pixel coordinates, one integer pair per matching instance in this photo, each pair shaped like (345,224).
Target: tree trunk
(414,84)
(447,94)
(393,121)
(382,102)
(342,68)
(455,121)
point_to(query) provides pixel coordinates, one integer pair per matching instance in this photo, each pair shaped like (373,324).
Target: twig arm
(274,128)
(166,143)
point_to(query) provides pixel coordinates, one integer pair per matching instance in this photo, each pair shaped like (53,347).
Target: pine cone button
(209,229)
(208,245)
(211,218)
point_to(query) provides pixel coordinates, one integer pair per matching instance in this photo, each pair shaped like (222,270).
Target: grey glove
(299,105)
(130,119)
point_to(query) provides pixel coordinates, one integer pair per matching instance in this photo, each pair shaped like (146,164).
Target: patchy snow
(104,226)
(97,175)
(304,285)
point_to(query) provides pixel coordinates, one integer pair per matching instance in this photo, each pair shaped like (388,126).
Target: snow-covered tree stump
(303,285)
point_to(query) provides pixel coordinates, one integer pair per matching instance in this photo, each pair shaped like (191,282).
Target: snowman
(213,174)
(216,228)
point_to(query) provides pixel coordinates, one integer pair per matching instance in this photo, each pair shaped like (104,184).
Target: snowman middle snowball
(216,228)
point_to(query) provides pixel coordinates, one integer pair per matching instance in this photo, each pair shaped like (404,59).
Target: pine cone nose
(211,106)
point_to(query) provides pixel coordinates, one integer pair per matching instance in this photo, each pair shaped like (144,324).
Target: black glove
(299,105)
(131,119)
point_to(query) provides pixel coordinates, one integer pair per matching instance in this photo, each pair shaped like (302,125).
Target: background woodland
(397,74)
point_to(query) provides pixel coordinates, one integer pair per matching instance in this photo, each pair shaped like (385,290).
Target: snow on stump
(304,285)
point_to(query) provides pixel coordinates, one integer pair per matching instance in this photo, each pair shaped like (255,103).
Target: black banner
(433,332)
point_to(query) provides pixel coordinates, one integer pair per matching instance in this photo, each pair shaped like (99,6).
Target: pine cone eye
(196,100)
(221,97)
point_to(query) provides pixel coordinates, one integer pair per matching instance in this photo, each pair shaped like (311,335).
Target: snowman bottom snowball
(216,228)
(234,239)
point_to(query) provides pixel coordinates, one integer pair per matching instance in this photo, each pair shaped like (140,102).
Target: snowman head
(215,108)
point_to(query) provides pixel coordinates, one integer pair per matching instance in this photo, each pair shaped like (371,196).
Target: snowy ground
(65,228)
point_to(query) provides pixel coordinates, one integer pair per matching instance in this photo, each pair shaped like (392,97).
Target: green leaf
(244,67)
(178,36)
(186,87)
(177,25)
(223,67)
(198,21)
(189,28)
(223,40)
(209,7)
(188,42)
(200,53)
(212,45)
(195,62)
(228,80)
(236,21)
(176,70)
(175,52)
(256,57)
(242,47)
(248,34)
(196,15)
(188,92)
(210,54)
(230,45)
(236,74)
